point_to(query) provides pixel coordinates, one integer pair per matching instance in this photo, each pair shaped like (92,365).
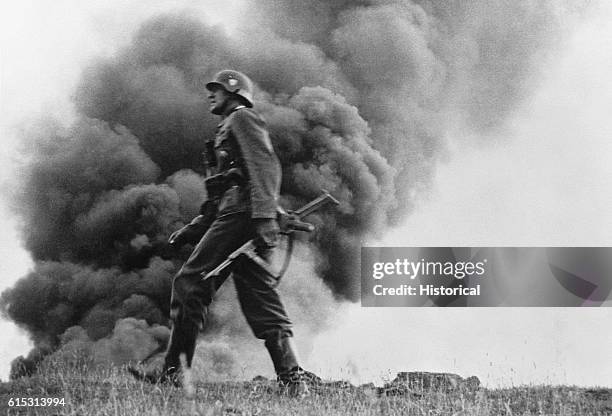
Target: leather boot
(282,352)
(166,376)
(190,333)
(182,341)
(284,357)
(172,359)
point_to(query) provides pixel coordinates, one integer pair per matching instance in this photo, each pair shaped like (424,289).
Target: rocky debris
(413,384)
(599,394)
(417,382)
(339,385)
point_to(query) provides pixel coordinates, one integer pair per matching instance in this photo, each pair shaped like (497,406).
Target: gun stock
(316,204)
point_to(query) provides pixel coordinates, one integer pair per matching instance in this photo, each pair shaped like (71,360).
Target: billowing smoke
(358,96)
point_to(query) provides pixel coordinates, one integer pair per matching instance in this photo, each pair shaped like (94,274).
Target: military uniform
(242,143)
(243,190)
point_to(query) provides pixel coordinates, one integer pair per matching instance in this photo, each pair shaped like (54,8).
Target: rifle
(289,222)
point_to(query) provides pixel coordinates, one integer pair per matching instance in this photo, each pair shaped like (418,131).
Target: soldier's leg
(266,315)
(191,296)
(190,300)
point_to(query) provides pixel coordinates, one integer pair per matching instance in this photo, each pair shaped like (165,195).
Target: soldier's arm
(261,163)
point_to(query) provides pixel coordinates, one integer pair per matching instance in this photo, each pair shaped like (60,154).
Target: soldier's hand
(175,239)
(266,232)
(192,232)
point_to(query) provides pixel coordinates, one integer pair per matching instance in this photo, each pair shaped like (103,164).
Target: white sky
(547,182)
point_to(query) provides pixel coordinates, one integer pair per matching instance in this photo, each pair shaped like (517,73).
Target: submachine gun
(289,222)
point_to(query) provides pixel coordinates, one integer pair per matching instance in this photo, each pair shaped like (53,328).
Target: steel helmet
(234,82)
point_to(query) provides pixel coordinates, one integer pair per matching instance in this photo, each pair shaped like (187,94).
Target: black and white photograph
(285,207)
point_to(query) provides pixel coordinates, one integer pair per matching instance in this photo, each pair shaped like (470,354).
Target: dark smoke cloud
(66,171)
(59,295)
(128,340)
(418,66)
(358,96)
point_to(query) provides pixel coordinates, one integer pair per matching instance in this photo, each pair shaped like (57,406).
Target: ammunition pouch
(216,185)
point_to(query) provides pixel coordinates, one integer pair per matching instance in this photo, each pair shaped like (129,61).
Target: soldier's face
(218,99)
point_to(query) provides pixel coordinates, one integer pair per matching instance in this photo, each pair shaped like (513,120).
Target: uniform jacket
(242,141)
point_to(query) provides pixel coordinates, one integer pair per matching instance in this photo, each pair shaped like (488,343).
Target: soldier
(243,193)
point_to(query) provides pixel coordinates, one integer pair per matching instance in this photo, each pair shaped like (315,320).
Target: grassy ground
(110,391)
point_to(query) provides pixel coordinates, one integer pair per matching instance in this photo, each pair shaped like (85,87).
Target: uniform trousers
(191,297)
